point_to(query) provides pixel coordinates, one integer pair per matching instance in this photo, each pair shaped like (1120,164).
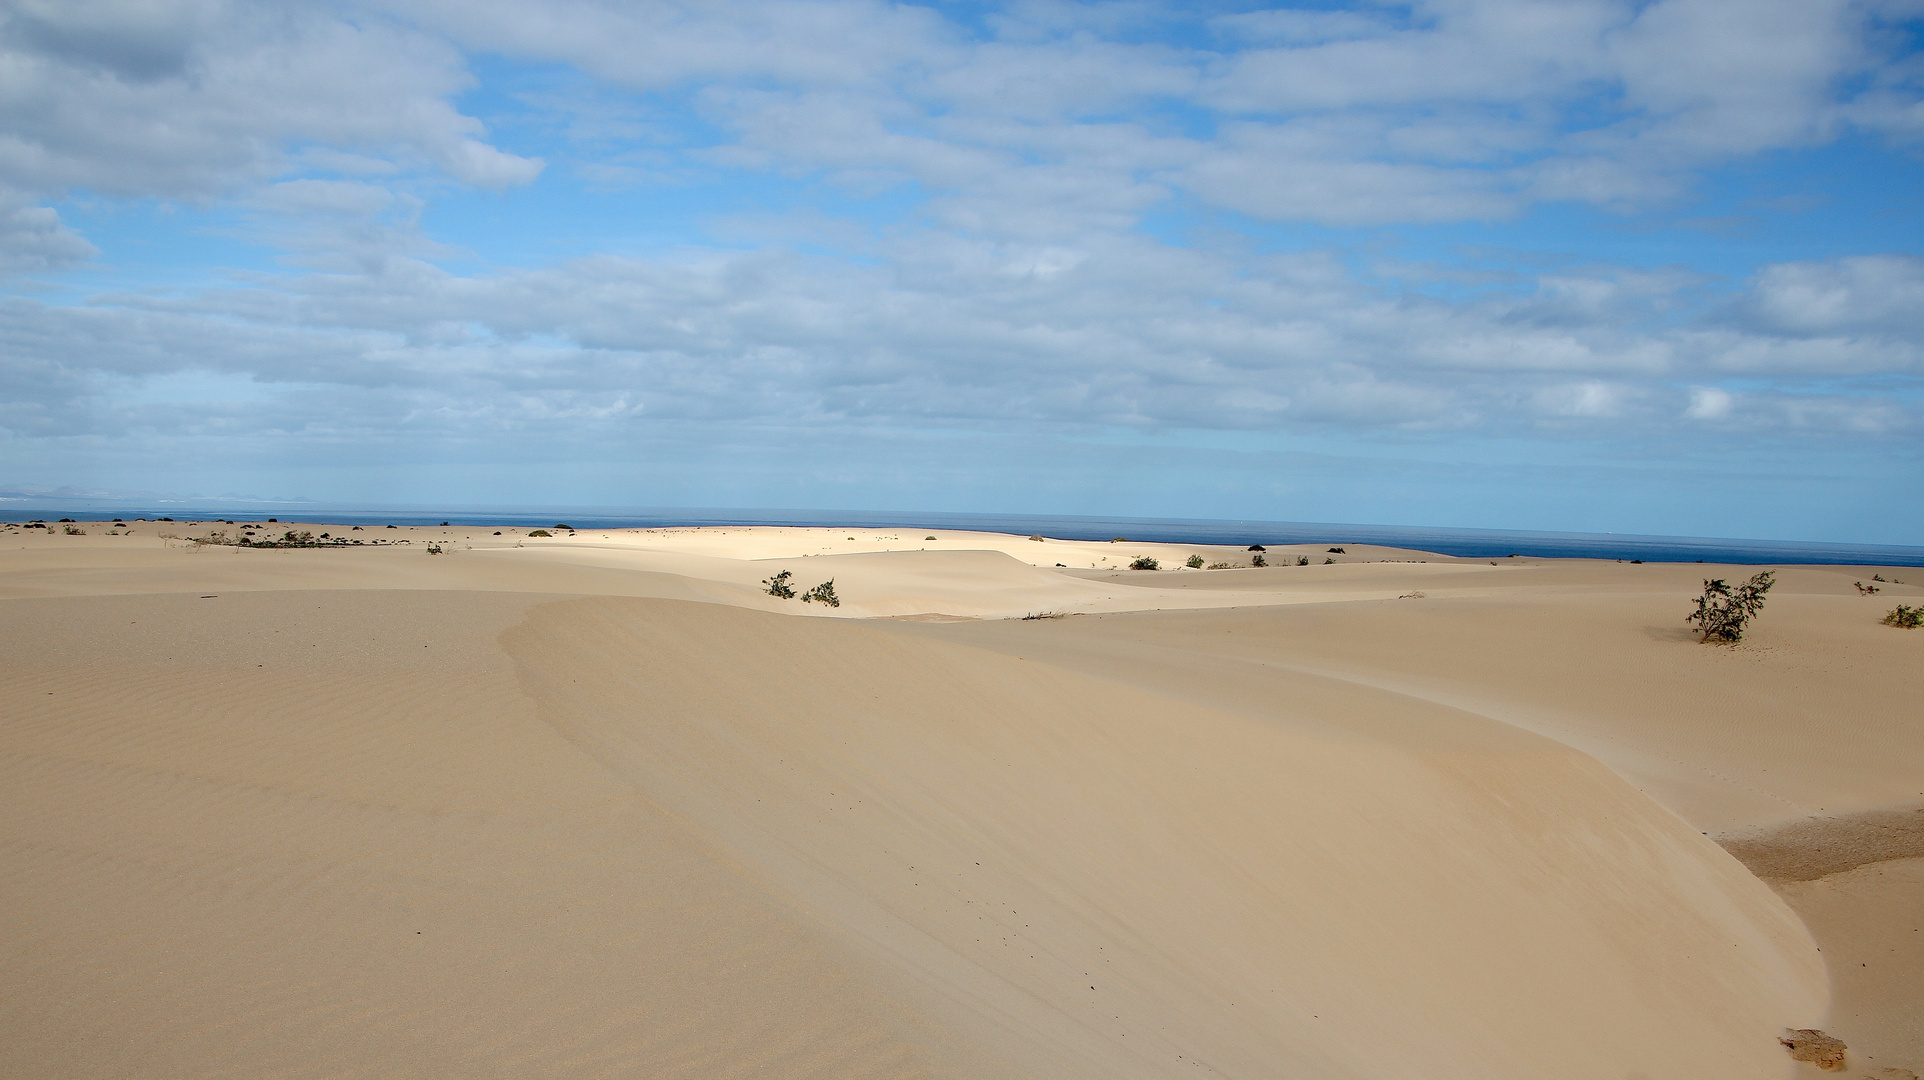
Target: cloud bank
(1115,221)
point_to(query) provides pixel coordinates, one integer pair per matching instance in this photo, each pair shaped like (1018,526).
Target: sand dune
(601,807)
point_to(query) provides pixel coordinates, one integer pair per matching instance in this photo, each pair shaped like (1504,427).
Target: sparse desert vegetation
(1195,562)
(1145,562)
(1724,610)
(1905,617)
(778,585)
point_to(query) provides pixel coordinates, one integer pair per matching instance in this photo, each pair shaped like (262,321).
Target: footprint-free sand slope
(528,811)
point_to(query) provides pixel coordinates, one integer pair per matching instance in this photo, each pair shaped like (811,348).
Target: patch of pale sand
(968,582)
(1870,923)
(328,835)
(1812,714)
(1095,880)
(342,834)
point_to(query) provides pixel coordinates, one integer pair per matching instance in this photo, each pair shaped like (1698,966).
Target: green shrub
(540,532)
(1219,566)
(1145,562)
(825,592)
(1195,562)
(1905,617)
(1723,610)
(1303,560)
(1259,561)
(1326,562)
(779,586)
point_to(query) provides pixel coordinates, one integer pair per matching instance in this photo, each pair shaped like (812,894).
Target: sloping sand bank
(608,809)
(376,833)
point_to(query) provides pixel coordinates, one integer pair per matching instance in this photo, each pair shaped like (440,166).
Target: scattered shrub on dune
(1145,562)
(1327,562)
(1257,547)
(540,532)
(1219,566)
(1905,617)
(1195,562)
(928,538)
(1259,561)
(1724,610)
(1302,560)
(1337,551)
(779,586)
(823,593)
(1866,590)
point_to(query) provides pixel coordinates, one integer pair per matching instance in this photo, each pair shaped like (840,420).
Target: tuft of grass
(1866,590)
(73,530)
(1219,566)
(1034,615)
(1145,562)
(1905,617)
(1195,562)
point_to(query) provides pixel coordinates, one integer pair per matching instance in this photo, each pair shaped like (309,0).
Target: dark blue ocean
(1476,543)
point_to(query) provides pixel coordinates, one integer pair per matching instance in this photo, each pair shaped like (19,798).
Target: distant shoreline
(1463,543)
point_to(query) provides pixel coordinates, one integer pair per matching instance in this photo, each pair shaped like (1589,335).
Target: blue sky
(1587,265)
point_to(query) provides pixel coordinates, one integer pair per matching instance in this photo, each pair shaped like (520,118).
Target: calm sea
(1476,543)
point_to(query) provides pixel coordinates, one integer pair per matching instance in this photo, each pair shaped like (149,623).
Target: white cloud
(194,99)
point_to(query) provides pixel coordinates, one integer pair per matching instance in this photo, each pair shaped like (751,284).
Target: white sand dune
(599,807)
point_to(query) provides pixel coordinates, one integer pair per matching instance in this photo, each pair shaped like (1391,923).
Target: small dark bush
(1259,561)
(825,593)
(1195,562)
(1326,562)
(779,586)
(1145,562)
(1877,577)
(1302,560)
(1636,562)
(1337,551)
(1724,610)
(1037,539)
(928,538)
(1257,547)
(533,533)
(65,521)
(1905,617)
(1866,590)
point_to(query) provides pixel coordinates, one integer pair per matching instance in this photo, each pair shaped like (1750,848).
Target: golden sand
(598,805)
